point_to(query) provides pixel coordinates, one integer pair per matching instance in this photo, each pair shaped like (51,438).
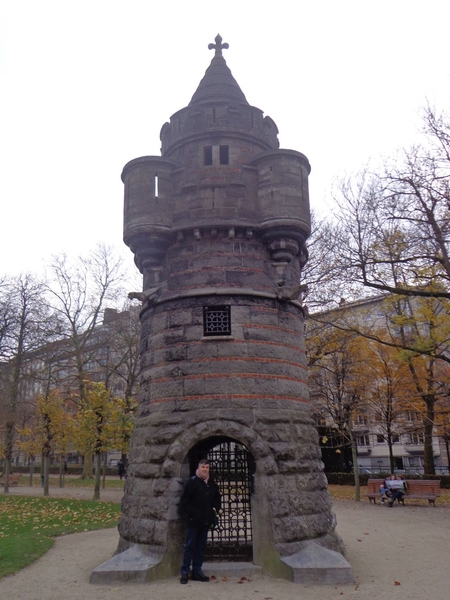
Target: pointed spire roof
(218,82)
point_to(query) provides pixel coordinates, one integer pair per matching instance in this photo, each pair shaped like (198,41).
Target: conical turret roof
(218,82)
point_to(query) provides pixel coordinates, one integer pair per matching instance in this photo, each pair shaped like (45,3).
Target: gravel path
(397,553)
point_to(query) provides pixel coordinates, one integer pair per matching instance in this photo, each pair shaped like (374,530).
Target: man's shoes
(199,577)
(184,578)
(390,504)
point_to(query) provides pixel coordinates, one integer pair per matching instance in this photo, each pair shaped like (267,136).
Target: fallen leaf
(397,583)
(358,540)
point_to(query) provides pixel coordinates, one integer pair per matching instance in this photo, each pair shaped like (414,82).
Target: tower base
(132,565)
(315,565)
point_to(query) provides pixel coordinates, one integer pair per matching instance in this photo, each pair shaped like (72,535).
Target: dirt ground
(403,552)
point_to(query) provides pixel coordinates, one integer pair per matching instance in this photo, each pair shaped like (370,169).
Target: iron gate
(232,467)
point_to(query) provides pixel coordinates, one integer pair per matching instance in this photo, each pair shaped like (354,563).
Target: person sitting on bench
(398,488)
(384,488)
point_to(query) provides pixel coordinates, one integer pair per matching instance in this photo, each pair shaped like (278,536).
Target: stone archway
(233,468)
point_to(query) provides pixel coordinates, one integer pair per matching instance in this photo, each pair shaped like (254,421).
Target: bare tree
(80,290)
(123,366)
(394,226)
(27,325)
(323,283)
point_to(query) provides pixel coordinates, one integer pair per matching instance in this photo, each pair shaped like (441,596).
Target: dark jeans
(194,549)
(396,494)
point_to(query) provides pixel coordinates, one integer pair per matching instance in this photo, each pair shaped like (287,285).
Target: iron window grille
(216,320)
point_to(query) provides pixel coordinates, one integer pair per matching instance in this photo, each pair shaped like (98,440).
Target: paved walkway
(397,553)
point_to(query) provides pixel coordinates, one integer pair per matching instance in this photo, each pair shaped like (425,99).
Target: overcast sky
(86,85)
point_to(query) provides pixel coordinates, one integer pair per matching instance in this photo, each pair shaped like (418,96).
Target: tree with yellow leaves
(101,425)
(391,391)
(336,360)
(424,324)
(50,433)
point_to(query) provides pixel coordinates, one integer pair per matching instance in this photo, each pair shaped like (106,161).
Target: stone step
(232,569)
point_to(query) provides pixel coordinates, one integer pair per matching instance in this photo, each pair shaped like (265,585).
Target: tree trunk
(88,471)
(46,474)
(391,454)
(7,473)
(447,448)
(98,465)
(61,472)
(105,458)
(355,467)
(31,471)
(428,459)
(9,432)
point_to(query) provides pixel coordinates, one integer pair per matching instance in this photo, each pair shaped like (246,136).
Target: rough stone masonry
(218,225)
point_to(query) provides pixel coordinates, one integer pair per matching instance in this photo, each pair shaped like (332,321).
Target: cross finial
(218,46)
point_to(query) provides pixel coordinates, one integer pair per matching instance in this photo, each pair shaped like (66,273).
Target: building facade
(389,419)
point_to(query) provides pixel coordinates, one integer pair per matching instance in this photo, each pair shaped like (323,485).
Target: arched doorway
(233,468)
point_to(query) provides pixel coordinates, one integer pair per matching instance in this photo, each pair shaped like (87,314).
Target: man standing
(200,501)
(121,468)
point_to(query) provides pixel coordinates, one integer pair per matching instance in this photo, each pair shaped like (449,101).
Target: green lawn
(73,481)
(28,525)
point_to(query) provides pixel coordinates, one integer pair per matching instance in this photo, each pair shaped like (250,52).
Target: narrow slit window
(224,155)
(207,151)
(214,114)
(156,185)
(216,320)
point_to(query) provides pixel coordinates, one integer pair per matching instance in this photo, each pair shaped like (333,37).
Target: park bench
(13,479)
(422,489)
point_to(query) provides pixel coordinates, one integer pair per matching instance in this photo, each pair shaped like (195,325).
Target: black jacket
(198,501)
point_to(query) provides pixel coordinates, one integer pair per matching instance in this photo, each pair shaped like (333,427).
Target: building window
(224,155)
(208,157)
(412,416)
(363,440)
(216,320)
(360,420)
(416,438)
(380,438)
(395,439)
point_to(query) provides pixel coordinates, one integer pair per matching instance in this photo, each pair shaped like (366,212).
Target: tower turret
(221,176)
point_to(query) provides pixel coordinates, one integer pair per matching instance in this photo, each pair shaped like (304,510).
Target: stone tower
(218,225)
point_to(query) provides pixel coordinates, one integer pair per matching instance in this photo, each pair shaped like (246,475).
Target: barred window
(216,320)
